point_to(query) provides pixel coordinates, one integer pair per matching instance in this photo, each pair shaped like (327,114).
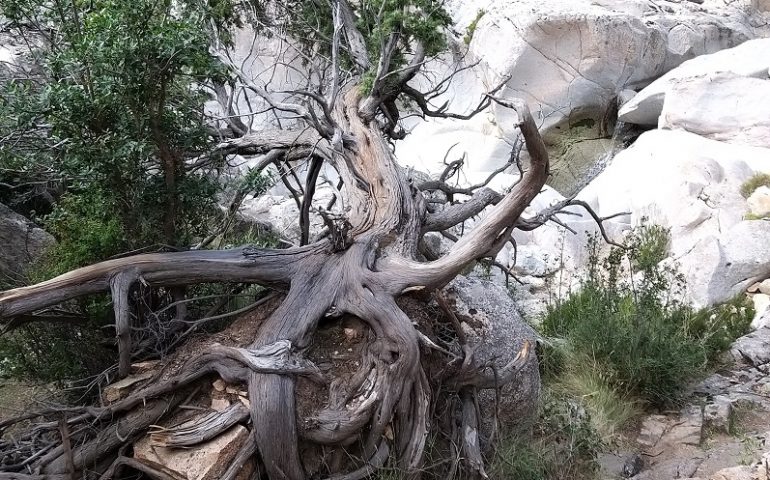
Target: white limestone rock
(761,303)
(721,266)
(759,202)
(206,461)
(680,181)
(723,107)
(749,59)
(570,61)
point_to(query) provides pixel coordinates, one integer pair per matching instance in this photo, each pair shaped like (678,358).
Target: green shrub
(628,320)
(562,444)
(587,382)
(753,183)
(54,352)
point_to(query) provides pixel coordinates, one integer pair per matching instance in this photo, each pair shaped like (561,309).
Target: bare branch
(494,228)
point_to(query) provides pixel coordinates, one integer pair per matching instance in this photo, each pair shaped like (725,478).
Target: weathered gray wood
(199,430)
(376,264)
(243,264)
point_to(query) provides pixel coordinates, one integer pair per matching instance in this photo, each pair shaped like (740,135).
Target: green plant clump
(472,26)
(753,183)
(628,326)
(562,444)
(103,135)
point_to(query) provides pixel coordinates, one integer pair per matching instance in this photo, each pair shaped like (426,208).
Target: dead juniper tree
(361,60)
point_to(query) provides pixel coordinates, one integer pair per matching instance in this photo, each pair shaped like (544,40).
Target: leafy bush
(99,144)
(753,183)
(628,320)
(55,352)
(562,444)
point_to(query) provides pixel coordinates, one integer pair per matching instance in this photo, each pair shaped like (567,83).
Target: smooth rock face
(207,461)
(498,333)
(749,60)
(569,60)
(759,201)
(691,185)
(720,267)
(722,107)
(21,242)
(677,180)
(717,416)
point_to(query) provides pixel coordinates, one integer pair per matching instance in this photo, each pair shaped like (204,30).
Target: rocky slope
(723,433)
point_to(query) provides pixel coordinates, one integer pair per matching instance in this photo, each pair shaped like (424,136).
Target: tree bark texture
(369,262)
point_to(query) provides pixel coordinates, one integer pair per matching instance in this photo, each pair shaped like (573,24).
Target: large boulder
(723,265)
(569,60)
(724,107)
(750,59)
(21,242)
(691,185)
(680,181)
(496,333)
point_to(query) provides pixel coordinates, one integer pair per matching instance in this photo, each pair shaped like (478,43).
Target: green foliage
(472,26)
(413,21)
(562,444)
(122,101)
(585,381)
(86,231)
(105,131)
(646,343)
(55,352)
(753,183)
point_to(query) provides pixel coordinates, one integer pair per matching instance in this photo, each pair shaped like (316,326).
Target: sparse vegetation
(563,444)
(628,321)
(622,343)
(753,183)
(472,26)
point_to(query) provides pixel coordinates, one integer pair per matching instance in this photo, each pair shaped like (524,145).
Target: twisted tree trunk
(369,261)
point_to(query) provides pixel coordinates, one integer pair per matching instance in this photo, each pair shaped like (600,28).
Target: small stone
(652,430)
(219,385)
(718,415)
(350,333)
(764,286)
(245,401)
(121,389)
(207,461)
(610,464)
(753,348)
(676,467)
(689,430)
(759,202)
(761,309)
(632,465)
(220,404)
(714,385)
(734,473)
